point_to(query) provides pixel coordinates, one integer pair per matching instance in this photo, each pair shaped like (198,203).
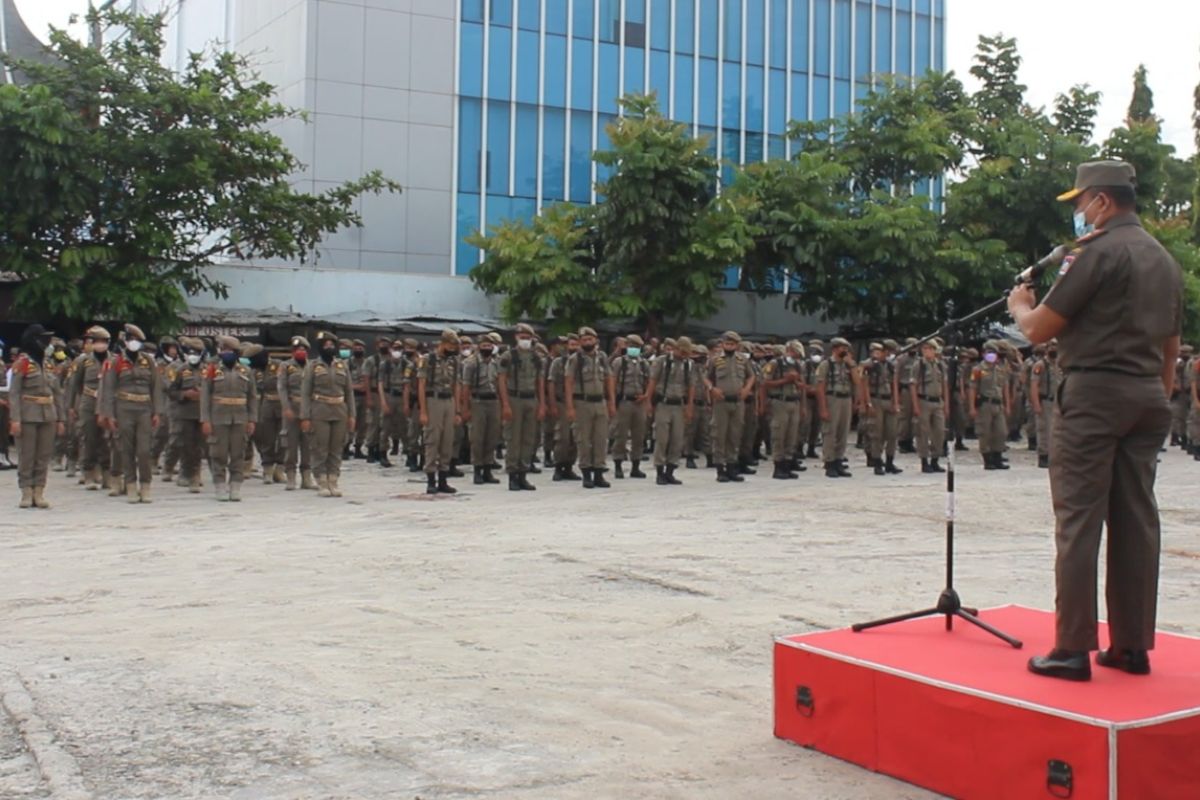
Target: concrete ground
(562,644)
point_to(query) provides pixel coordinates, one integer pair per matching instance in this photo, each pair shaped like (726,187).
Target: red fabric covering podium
(957,712)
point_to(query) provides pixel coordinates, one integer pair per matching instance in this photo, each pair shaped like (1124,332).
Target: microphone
(1034,273)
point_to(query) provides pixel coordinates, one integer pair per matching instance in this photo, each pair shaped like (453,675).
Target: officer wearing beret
(437,394)
(183,388)
(1117,311)
(589,406)
(630,375)
(327,412)
(83,392)
(522,389)
(35,404)
(130,399)
(228,414)
(289,385)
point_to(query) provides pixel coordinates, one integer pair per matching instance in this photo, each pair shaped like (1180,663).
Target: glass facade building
(537,82)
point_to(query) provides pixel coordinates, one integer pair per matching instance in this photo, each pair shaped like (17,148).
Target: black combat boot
(691,462)
(843,470)
(410,461)
(384,461)
(533,469)
(358,453)
(558,473)
(744,468)
(781,473)
(660,474)
(796,466)
(831,470)
(934,466)
(959,446)
(734,474)
(488,477)
(879,470)
(478,476)
(890,466)
(708,463)
(636,471)
(569,473)
(811,453)
(598,479)
(1001,461)
(442,486)
(1033,442)
(454,471)
(1044,461)
(925,470)
(989,461)
(906,446)
(372,455)
(722,476)
(588,483)
(396,447)
(432,486)
(513,485)
(346,453)
(671,479)
(524,484)
(618,471)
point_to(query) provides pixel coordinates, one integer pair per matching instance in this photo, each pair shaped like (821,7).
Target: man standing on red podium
(1117,309)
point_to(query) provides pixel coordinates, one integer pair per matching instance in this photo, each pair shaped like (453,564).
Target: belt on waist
(840,394)
(333,400)
(90,392)
(524,395)
(904,383)
(673,401)
(358,393)
(440,395)
(734,399)
(1044,397)
(229,401)
(590,398)
(990,401)
(881,397)
(38,399)
(927,397)
(1110,370)
(631,398)
(484,395)
(273,397)
(396,392)
(133,398)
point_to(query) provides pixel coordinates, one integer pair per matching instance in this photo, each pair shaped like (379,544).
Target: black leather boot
(588,483)
(1135,662)
(831,469)
(1069,665)
(842,470)
(691,462)
(660,476)
(442,486)
(636,471)
(745,468)
(1044,462)
(569,473)
(454,471)
(925,470)
(890,466)
(534,469)
(959,446)
(358,453)
(671,479)
(708,462)
(598,479)
(618,472)
(722,476)
(879,470)
(513,486)
(524,484)
(733,473)
(383,459)
(558,473)
(478,480)
(780,473)
(934,466)
(431,487)
(989,461)
(372,455)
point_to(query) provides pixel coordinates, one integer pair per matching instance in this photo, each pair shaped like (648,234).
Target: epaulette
(1089,237)
(976,372)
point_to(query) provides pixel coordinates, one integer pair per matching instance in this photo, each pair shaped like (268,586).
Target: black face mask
(260,361)
(327,354)
(486,353)
(359,353)
(587,348)
(100,356)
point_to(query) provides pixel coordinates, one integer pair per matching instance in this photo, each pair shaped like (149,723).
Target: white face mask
(525,344)
(133,345)
(790,360)
(193,358)
(397,355)
(816,359)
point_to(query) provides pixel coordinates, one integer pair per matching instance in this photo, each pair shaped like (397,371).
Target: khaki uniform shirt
(590,373)
(673,377)
(34,393)
(84,383)
(228,395)
(289,382)
(558,377)
(778,368)
(325,391)
(440,374)
(878,375)
(632,375)
(266,383)
(930,379)
(836,377)
(129,380)
(988,381)
(479,375)
(185,378)
(520,369)
(729,373)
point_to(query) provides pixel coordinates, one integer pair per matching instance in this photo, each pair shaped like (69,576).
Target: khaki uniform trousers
(629,431)
(1179,413)
(566,447)
(326,442)
(836,430)
(299,445)
(439,434)
(785,428)
(1107,432)
(190,444)
(697,440)
(727,430)
(95,438)
(591,433)
(395,424)
(749,430)
(522,439)
(36,446)
(266,434)
(1193,426)
(931,429)
(134,437)
(882,428)
(358,436)
(990,426)
(227,452)
(905,429)
(485,431)
(1045,427)
(669,426)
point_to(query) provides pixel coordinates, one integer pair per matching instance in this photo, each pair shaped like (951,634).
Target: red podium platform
(957,712)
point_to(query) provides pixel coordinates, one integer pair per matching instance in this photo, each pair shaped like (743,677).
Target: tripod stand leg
(862,626)
(974,620)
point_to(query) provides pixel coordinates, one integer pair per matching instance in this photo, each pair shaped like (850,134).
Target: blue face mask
(1082,226)
(990,358)
(229,359)
(633,352)
(343,353)
(245,362)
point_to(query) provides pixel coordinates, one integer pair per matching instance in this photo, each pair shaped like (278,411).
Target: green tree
(1196,160)
(1175,236)
(1141,105)
(1001,95)
(1075,113)
(124,180)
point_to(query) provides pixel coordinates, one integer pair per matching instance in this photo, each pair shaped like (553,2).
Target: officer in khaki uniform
(83,392)
(589,406)
(1117,310)
(906,366)
(1193,430)
(480,403)
(395,376)
(837,384)
(1181,404)
(729,382)
(376,435)
(630,375)
(565,449)
(784,391)
(183,388)
(522,390)
(34,402)
(881,398)
(290,382)
(1045,376)
(989,401)
(327,412)
(697,437)
(673,387)
(270,412)
(130,399)
(437,393)
(228,410)
(930,403)
(810,421)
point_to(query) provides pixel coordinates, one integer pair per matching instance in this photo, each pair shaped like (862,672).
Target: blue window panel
(820,99)
(756,32)
(501,11)
(922,45)
(779,33)
(731,110)
(800,54)
(754,99)
(842,46)
(466,256)
(660,24)
(499,209)
(822,39)
(731,278)
(610,75)
(603,142)
(499,63)
(708,92)
(754,147)
(903,5)
(581,156)
(554,160)
(710,36)
(556,71)
(635,11)
(660,78)
(581,74)
(733,30)
(883,40)
(776,147)
(525,176)
(684,83)
(940,38)
(861,92)
(472,10)
(523,209)
(731,153)
(497,145)
(685,22)
(470,143)
(531,15)
(582,20)
(556,17)
(470,77)
(862,47)
(841,99)
(799,96)
(610,20)
(903,44)
(527,66)
(635,69)
(923,7)
(778,122)
(709,136)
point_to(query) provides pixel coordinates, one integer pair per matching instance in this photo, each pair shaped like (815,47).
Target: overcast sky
(1063,43)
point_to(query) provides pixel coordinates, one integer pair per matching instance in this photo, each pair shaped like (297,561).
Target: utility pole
(94,18)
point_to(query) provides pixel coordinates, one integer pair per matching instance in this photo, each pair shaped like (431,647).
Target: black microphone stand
(949,602)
